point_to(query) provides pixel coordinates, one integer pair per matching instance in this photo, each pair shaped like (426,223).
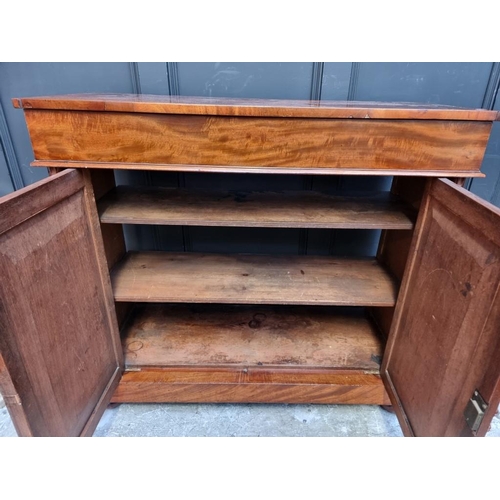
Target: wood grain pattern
(251,279)
(143,205)
(60,343)
(61,358)
(382,317)
(452,146)
(393,251)
(188,386)
(444,342)
(101,267)
(144,103)
(201,335)
(25,203)
(101,183)
(410,190)
(176,167)
(394,245)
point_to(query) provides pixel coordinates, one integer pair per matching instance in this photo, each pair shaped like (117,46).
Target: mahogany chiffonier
(85,321)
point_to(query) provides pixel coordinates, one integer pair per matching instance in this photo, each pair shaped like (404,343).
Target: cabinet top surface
(143,103)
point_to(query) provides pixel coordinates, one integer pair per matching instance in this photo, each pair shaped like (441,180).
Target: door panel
(445,338)
(59,340)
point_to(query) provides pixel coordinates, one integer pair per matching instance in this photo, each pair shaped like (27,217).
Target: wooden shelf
(302,209)
(251,279)
(212,353)
(250,336)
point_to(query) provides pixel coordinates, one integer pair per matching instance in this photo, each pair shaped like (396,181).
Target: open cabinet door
(442,363)
(60,356)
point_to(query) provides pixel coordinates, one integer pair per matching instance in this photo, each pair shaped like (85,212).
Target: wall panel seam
(492,86)
(10,154)
(135,77)
(353,81)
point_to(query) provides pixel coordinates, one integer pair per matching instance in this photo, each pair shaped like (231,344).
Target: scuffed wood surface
(251,279)
(148,205)
(144,103)
(198,335)
(445,342)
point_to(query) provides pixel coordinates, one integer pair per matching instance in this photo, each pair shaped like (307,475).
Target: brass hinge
(475,410)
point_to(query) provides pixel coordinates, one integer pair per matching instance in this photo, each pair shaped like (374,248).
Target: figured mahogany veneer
(209,135)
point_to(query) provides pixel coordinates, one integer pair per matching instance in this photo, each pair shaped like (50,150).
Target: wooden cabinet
(85,321)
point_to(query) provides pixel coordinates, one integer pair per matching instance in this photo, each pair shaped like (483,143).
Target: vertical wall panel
(10,166)
(235,79)
(153,78)
(456,84)
(335,84)
(6,186)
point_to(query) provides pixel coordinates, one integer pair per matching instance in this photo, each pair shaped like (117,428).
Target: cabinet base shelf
(250,354)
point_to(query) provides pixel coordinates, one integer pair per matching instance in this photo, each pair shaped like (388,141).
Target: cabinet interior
(275,317)
(254,251)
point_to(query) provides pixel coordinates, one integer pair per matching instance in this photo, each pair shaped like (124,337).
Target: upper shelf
(143,103)
(298,209)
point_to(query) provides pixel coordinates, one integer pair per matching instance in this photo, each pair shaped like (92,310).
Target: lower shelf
(213,353)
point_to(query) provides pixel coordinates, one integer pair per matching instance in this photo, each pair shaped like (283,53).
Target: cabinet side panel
(395,244)
(101,182)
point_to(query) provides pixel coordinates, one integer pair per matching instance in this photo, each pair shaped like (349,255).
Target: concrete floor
(243,420)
